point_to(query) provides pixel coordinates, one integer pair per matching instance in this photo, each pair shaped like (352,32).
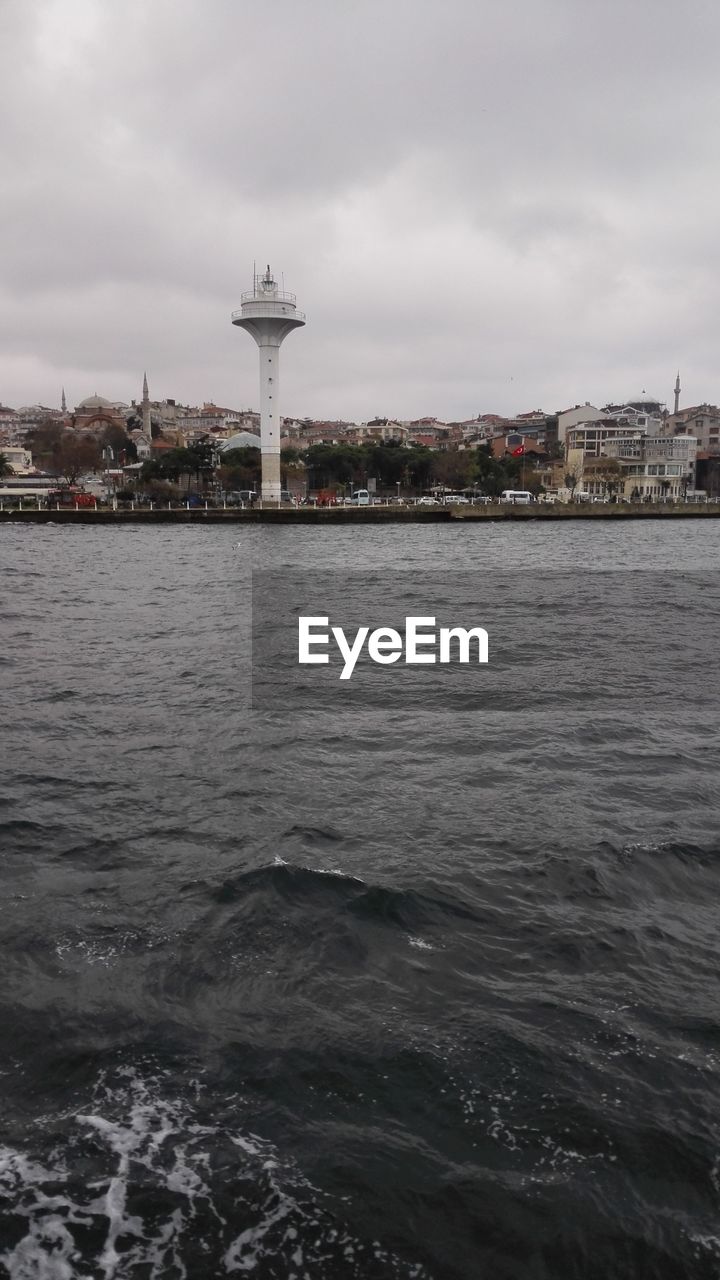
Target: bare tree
(77,454)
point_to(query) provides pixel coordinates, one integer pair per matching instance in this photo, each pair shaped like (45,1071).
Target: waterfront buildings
(630,448)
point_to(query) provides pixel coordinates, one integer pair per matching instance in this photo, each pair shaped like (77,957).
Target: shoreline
(372,515)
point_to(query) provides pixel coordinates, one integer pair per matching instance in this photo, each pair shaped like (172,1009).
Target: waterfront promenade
(366,515)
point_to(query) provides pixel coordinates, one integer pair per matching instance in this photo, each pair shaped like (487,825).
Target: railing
(267,307)
(257,295)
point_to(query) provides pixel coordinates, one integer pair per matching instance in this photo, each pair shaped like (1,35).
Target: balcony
(259,307)
(257,295)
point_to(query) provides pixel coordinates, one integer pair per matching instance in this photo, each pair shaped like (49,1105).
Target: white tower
(677,393)
(269,315)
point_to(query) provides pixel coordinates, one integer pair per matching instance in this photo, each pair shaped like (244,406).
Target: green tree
(200,461)
(63,452)
(454,468)
(43,441)
(5,467)
(240,468)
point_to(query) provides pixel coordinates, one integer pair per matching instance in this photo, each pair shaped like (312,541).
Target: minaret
(146,423)
(63,403)
(677,393)
(268,315)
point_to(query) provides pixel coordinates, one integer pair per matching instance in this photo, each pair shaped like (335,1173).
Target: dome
(644,401)
(95,402)
(243,440)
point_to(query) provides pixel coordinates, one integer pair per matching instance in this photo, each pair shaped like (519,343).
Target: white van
(361,498)
(516,495)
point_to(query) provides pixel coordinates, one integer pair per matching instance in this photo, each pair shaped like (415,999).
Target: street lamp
(398,491)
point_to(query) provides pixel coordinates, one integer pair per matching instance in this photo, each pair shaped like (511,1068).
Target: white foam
(133,1123)
(47,1252)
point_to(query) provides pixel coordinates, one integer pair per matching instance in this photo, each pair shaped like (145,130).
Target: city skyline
(69,404)
(481,210)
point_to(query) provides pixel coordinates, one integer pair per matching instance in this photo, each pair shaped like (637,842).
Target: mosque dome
(644,401)
(242,440)
(95,402)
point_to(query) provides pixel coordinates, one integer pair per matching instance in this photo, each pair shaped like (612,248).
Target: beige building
(20,459)
(591,438)
(575,417)
(654,467)
(701,421)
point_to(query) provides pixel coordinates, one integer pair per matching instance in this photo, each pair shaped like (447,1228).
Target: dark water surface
(360,990)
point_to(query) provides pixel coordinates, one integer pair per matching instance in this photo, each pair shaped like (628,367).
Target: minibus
(516,495)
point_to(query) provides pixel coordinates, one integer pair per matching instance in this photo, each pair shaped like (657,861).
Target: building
(378,431)
(514,444)
(590,438)
(19,458)
(96,413)
(574,417)
(654,467)
(702,421)
(646,415)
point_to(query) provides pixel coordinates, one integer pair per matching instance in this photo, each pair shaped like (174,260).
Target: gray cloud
(480,206)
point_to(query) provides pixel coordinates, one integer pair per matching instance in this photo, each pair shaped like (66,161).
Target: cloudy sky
(482,205)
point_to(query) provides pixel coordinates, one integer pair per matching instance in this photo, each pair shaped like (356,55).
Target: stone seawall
(370,515)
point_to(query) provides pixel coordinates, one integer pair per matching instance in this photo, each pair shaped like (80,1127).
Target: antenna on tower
(254,276)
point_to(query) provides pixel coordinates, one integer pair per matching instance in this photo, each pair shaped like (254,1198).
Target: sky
(483,206)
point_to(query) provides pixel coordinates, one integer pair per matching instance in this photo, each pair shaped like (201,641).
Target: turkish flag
(517,453)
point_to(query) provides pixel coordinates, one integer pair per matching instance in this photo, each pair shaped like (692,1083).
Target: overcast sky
(482,205)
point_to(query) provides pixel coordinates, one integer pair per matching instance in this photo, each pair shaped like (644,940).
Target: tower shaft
(269,419)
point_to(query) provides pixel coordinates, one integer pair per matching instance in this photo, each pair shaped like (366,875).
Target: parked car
(427,502)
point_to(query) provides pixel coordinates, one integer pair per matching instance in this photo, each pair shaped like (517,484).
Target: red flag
(517,453)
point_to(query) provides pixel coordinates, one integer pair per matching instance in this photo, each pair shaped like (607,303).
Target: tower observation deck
(269,314)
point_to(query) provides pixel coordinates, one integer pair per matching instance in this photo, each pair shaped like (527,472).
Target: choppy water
(326,995)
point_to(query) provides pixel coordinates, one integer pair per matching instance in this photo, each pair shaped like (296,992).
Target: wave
(142,1181)
(307,887)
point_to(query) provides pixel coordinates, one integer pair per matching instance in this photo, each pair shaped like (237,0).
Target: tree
(609,473)
(62,452)
(75,455)
(200,460)
(240,468)
(454,468)
(43,441)
(5,468)
(571,480)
